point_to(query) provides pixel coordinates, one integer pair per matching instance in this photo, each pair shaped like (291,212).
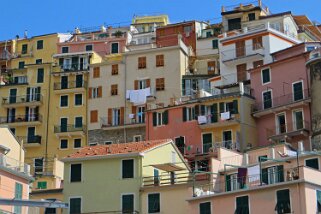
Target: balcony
(14,165)
(30,141)
(4,55)
(71,67)
(12,81)
(31,100)
(72,86)
(141,96)
(105,125)
(22,54)
(243,54)
(281,103)
(50,168)
(70,130)
(289,130)
(22,120)
(218,120)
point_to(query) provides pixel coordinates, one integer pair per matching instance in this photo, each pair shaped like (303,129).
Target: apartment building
(88,177)
(6,48)
(283,97)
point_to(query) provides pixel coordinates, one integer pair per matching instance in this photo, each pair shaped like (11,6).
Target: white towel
(128,94)
(201,119)
(131,116)
(253,173)
(225,115)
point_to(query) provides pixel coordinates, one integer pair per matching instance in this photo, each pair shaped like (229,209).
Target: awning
(168,167)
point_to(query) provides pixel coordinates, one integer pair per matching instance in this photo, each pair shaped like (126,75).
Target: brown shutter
(241,72)
(240,48)
(134,109)
(110,115)
(122,112)
(90,92)
(100,91)
(94,116)
(136,85)
(148,83)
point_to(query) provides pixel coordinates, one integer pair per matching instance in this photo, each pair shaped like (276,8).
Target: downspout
(125,101)
(308,82)
(48,110)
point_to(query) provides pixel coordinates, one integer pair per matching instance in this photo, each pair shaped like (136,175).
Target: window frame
(276,198)
(111,47)
(270,77)
(60,147)
(294,119)
(160,60)
(81,202)
(89,45)
(266,91)
(142,62)
(160,84)
(114,89)
(154,193)
(64,95)
(248,198)
(40,47)
(81,173)
(307,159)
(293,97)
(75,100)
(75,142)
(40,80)
(64,47)
(205,202)
(121,201)
(114,69)
(121,168)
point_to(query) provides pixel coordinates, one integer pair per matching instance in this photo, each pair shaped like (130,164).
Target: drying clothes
(225,115)
(138,97)
(131,116)
(254,173)
(201,119)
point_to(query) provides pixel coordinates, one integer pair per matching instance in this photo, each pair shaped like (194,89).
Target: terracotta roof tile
(113,149)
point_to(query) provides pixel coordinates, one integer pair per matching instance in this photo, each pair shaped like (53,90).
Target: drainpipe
(125,101)
(48,110)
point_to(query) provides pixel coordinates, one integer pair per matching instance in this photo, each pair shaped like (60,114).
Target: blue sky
(48,16)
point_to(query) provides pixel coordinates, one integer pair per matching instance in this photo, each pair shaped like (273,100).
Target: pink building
(282,93)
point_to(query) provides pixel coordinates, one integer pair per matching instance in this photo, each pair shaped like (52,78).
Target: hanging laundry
(254,173)
(201,119)
(131,116)
(225,115)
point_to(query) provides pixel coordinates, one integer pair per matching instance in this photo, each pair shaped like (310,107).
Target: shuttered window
(128,168)
(211,67)
(96,73)
(141,62)
(114,69)
(266,78)
(205,208)
(215,44)
(75,172)
(313,163)
(283,204)
(128,203)
(242,205)
(39,44)
(154,203)
(75,206)
(94,116)
(159,60)
(18,195)
(40,75)
(160,84)
(114,90)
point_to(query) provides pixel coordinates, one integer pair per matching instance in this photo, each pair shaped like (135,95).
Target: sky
(49,16)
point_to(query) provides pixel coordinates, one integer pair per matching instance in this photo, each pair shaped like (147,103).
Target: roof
(276,15)
(118,149)
(304,22)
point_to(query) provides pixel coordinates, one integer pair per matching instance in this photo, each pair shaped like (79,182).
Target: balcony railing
(242,52)
(70,85)
(281,100)
(36,139)
(218,118)
(20,80)
(105,124)
(21,118)
(74,67)
(69,128)
(30,98)
(14,164)
(288,129)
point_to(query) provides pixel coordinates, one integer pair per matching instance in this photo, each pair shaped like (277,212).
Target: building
(88,178)
(145,24)
(278,183)
(283,97)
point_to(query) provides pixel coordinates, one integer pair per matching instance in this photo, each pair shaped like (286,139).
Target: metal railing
(105,124)
(287,128)
(15,80)
(167,179)
(69,128)
(29,98)
(30,139)
(70,85)
(219,117)
(74,67)
(211,147)
(281,100)
(14,164)
(21,118)
(242,52)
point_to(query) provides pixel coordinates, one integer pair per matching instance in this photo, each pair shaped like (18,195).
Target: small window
(77,143)
(313,163)
(215,44)
(137,138)
(75,172)
(108,142)
(141,62)
(64,101)
(267,99)
(266,76)
(93,144)
(188,114)
(96,73)
(154,203)
(38,61)
(63,144)
(251,16)
(297,91)
(114,90)
(128,203)
(205,208)
(128,168)
(21,65)
(319,200)
(89,47)
(114,69)
(262,158)
(78,122)
(39,44)
(78,99)
(40,75)
(283,204)
(75,206)
(159,60)
(242,204)
(114,48)
(24,49)
(42,185)
(94,116)
(160,84)
(65,50)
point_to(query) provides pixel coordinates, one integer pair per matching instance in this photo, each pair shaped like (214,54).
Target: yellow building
(89,185)
(149,23)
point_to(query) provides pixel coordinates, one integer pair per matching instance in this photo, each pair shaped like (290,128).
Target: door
(267,99)
(207,142)
(79,81)
(227,139)
(64,82)
(75,63)
(281,124)
(63,124)
(141,114)
(297,91)
(240,48)
(241,72)
(81,63)
(11,115)
(180,143)
(13,95)
(31,135)
(32,114)
(298,120)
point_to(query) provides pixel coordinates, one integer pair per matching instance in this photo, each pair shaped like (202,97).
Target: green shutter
(154,203)
(128,203)
(197,111)
(235,107)
(165,117)
(184,114)
(40,75)
(228,183)
(215,44)
(18,195)
(265,176)
(202,110)
(205,208)
(222,107)
(154,118)
(128,168)
(280,173)
(214,113)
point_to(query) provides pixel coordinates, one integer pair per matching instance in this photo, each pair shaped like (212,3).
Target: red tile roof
(114,149)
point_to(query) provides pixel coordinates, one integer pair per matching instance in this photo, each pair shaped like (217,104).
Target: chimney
(222,9)
(77,30)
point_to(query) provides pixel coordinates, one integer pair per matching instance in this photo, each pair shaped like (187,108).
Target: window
(262,158)
(272,175)
(188,114)
(65,50)
(24,49)
(160,118)
(39,44)
(94,116)
(64,101)
(159,60)
(78,122)
(115,115)
(319,200)
(242,205)
(89,47)
(63,144)
(75,205)
(251,16)
(141,84)
(93,144)
(180,144)
(114,69)
(240,49)
(241,72)
(215,44)
(77,143)
(96,73)
(95,92)
(75,172)
(313,163)
(42,185)
(18,196)
(154,203)
(298,119)
(141,114)
(128,168)
(280,124)
(297,91)
(207,142)
(266,76)
(21,65)
(205,208)
(114,48)
(114,90)
(137,138)
(187,29)
(267,99)
(128,203)
(160,84)
(141,62)
(211,67)
(108,142)
(257,43)
(283,204)
(78,99)
(63,82)
(257,64)
(40,75)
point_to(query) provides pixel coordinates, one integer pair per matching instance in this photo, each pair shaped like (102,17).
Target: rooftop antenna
(25,34)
